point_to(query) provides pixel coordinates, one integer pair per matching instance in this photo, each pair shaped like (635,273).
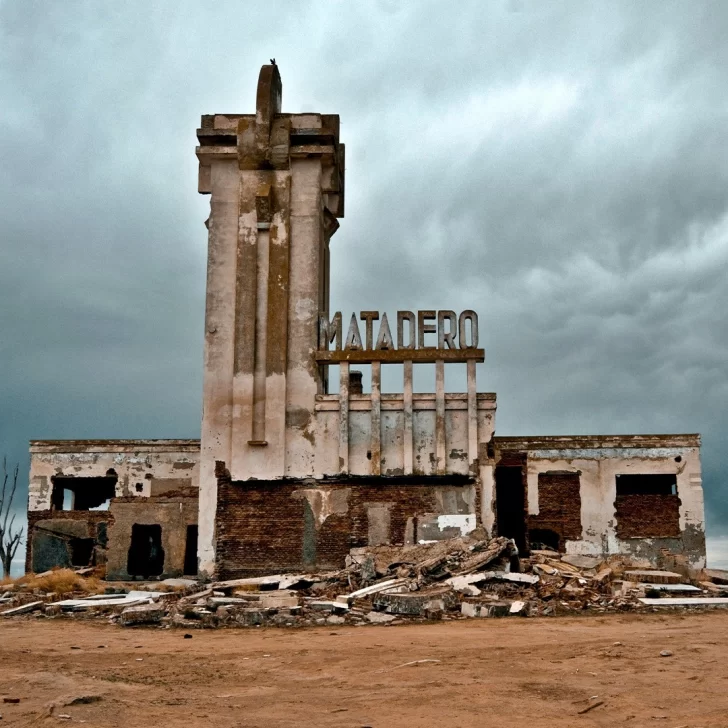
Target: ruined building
(294,469)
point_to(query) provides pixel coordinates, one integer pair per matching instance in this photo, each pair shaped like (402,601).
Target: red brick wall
(559,506)
(647,516)
(262,526)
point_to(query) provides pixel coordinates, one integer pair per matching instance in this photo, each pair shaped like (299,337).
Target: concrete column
(219,349)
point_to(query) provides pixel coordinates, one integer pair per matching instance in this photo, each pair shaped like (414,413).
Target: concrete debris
(653,576)
(385,586)
(465,577)
(684,602)
(671,587)
(717,576)
(22,609)
(143,614)
(379,617)
(581,562)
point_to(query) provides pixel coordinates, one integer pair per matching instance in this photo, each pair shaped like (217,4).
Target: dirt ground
(509,672)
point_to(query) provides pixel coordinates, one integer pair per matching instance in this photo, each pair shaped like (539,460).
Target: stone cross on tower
(277,188)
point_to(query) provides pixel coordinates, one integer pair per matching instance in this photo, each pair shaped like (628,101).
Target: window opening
(82,493)
(647,484)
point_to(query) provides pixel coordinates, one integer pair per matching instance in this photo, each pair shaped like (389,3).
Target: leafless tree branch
(9,538)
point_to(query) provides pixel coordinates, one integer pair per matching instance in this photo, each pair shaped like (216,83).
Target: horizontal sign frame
(399,356)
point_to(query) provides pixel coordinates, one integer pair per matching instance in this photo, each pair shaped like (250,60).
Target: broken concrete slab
(142,614)
(180,583)
(380,617)
(327,606)
(652,576)
(517,607)
(582,562)
(510,576)
(602,575)
(414,603)
(277,602)
(132,599)
(22,609)
(717,576)
(215,602)
(250,617)
(670,587)
(469,590)
(382,586)
(545,569)
(684,601)
(495,609)
(271,580)
(714,588)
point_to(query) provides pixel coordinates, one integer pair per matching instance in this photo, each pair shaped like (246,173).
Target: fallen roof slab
(683,602)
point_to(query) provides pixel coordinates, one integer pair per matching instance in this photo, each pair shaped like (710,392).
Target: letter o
(462,328)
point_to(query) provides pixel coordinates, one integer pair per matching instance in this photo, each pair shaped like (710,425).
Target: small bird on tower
(273,61)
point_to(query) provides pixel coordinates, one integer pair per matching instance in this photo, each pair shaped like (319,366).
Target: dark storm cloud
(561,168)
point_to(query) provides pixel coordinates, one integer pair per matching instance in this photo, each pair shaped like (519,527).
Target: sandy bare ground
(511,672)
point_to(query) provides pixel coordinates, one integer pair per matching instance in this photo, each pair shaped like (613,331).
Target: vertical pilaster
(440,445)
(303,378)
(219,357)
(407,407)
(344,417)
(376,423)
(472,416)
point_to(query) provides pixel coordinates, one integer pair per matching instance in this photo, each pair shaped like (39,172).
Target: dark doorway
(146,555)
(190,568)
(510,505)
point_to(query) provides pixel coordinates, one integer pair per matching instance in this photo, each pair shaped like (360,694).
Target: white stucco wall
(137,462)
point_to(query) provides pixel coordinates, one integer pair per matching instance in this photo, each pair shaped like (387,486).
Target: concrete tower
(277,188)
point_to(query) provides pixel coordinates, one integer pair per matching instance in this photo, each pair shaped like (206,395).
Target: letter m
(330,330)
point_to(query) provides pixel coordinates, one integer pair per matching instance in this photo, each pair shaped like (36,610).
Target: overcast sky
(562,168)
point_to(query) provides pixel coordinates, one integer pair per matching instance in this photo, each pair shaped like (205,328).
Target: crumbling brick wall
(559,506)
(647,516)
(52,534)
(273,526)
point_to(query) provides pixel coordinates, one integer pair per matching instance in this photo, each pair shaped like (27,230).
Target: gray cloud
(561,168)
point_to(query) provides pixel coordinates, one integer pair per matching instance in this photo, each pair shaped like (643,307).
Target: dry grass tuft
(61,581)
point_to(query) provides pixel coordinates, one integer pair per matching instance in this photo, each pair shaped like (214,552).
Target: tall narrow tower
(277,188)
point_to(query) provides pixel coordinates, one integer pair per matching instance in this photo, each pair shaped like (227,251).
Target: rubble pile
(471,576)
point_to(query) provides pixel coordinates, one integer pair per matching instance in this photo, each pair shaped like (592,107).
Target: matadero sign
(427,336)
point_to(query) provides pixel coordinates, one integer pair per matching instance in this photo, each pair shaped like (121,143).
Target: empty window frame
(81,493)
(636,484)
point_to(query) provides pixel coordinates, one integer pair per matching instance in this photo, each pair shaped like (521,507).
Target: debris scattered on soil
(467,577)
